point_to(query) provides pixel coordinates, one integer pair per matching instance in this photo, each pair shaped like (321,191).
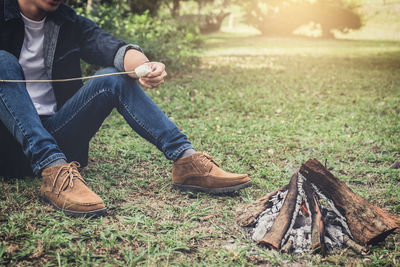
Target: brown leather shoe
(64,188)
(199,172)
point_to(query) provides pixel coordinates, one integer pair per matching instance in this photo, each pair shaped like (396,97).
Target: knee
(7,58)
(107,70)
(113,82)
(9,62)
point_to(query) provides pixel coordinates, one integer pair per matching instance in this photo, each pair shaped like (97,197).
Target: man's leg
(19,116)
(79,119)
(61,184)
(82,115)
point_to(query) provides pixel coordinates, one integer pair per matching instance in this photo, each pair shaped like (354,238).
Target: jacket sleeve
(119,56)
(100,48)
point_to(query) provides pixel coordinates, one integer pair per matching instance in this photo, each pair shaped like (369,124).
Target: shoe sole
(222,190)
(87,214)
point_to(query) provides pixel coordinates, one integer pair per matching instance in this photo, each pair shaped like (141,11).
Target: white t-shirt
(31,60)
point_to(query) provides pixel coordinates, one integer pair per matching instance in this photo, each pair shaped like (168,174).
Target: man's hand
(155,77)
(134,59)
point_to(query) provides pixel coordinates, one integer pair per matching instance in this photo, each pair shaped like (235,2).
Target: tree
(176,6)
(282,17)
(125,6)
(139,7)
(201,4)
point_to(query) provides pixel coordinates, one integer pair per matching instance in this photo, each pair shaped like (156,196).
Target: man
(46,127)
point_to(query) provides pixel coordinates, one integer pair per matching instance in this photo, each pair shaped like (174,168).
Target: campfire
(315,212)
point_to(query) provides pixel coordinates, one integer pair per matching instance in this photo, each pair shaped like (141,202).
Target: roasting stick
(69,79)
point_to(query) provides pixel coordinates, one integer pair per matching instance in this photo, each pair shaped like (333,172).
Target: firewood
(354,246)
(316,212)
(274,236)
(368,224)
(317,226)
(247,214)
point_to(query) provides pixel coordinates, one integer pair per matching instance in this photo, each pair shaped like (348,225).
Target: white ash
(143,70)
(331,207)
(267,217)
(301,239)
(333,237)
(335,223)
(299,230)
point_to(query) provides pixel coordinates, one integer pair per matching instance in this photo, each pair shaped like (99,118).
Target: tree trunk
(199,7)
(89,5)
(176,8)
(92,4)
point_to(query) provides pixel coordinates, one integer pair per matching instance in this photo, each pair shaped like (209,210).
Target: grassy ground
(262,106)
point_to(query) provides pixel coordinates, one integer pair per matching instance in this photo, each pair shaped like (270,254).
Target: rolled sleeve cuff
(119,56)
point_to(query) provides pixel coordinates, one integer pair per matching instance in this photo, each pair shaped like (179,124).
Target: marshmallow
(143,70)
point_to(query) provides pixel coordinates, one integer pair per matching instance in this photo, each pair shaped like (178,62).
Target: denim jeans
(65,134)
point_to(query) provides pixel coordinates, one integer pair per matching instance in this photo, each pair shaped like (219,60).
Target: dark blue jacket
(68,38)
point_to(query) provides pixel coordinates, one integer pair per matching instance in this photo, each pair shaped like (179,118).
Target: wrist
(133,59)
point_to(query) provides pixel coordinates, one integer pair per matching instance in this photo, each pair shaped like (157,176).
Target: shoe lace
(207,159)
(68,172)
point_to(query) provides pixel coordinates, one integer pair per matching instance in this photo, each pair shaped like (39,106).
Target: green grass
(262,106)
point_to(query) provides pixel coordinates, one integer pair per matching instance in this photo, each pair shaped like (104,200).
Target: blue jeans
(67,133)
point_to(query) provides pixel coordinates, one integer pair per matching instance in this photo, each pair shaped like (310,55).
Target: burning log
(316,212)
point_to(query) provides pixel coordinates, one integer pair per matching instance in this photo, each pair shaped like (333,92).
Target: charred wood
(368,224)
(316,212)
(281,224)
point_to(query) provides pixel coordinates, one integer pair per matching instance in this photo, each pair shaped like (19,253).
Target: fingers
(145,84)
(154,78)
(157,69)
(150,85)
(151,82)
